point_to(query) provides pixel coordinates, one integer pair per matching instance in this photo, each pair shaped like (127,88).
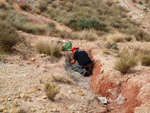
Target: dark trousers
(78,68)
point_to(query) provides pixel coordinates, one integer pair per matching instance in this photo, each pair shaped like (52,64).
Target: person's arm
(73,61)
(74,58)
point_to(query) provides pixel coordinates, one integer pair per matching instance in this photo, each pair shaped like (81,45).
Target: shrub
(127,60)
(8,36)
(29,28)
(87,35)
(142,36)
(52,48)
(3,6)
(52,26)
(145,57)
(43,6)
(3,15)
(51,90)
(81,23)
(62,79)
(25,6)
(118,37)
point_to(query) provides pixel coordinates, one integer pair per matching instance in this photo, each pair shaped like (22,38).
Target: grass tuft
(51,90)
(145,57)
(127,60)
(142,36)
(52,48)
(62,79)
(25,6)
(8,36)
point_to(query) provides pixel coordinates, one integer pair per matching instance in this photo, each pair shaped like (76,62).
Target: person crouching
(84,63)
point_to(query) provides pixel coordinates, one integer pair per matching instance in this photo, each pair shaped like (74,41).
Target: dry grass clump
(88,35)
(62,79)
(8,36)
(51,90)
(23,24)
(25,6)
(52,48)
(142,36)
(82,35)
(118,37)
(144,57)
(43,6)
(126,61)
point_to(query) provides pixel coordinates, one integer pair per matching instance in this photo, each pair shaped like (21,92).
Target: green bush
(26,7)
(8,36)
(81,23)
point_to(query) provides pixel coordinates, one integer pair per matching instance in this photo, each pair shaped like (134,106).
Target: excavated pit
(122,92)
(122,97)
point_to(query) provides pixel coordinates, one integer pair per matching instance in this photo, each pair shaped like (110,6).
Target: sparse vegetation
(51,90)
(145,57)
(8,36)
(118,37)
(142,36)
(52,48)
(62,79)
(127,60)
(43,6)
(143,2)
(25,6)
(87,15)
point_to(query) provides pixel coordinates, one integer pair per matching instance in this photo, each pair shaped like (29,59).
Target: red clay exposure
(129,91)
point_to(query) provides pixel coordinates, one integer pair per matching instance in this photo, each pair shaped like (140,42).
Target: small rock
(21,65)
(29,100)
(37,66)
(55,110)
(18,96)
(22,95)
(44,97)
(25,75)
(44,70)
(43,55)
(17,62)
(33,59)
(21,111)
(33,110)
(2,108)
(118,107)
(5,111)
(37,88)
(28,63)
(9,99)
(112,107)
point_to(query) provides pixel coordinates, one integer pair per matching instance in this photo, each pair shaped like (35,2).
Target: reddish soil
(129,90)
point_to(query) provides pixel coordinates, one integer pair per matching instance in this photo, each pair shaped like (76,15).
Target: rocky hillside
(32,64)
